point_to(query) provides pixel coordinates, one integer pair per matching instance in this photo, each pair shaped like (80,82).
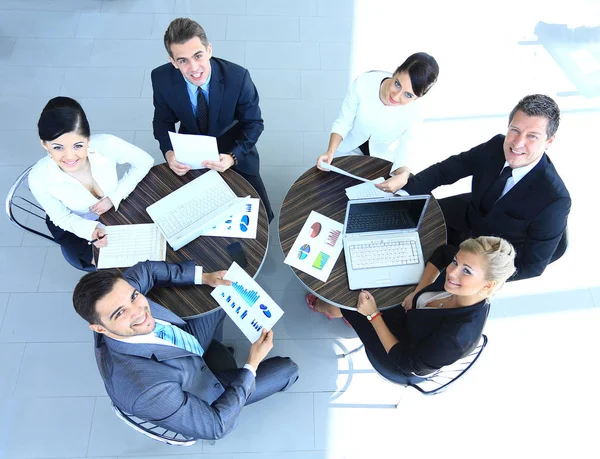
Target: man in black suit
(516,194)
(208,96)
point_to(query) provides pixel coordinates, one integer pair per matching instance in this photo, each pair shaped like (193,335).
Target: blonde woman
(443,319)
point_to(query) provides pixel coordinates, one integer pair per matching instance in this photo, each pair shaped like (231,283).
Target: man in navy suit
(208,96)
(152,362)
(516,194)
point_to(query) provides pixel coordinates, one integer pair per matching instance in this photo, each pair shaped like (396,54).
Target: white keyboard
(191,211)
(382,254)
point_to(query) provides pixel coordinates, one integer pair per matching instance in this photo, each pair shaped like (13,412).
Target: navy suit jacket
(167,385)
(234,116)
(532,216)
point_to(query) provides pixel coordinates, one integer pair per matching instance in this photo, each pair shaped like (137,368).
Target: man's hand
(327,157)
(177,167)
(100,232)
(260,348)
(396,182)
(214,279)
(104,205)
(224,163)
(366,303)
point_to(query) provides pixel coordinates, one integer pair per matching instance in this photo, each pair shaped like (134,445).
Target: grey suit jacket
(167,385)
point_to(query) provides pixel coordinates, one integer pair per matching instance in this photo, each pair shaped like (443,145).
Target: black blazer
(233,99)
(532,216)
(429,338)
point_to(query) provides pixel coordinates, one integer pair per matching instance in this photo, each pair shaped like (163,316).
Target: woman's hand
(327,157)
(104,205)
(366,303)
(407,303)
(396,182)
(100,234)
(214,279)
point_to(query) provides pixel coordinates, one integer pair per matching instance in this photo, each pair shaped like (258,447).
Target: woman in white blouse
(77,181)
(378,116)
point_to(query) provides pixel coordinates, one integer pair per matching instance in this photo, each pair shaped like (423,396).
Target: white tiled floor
(533,394)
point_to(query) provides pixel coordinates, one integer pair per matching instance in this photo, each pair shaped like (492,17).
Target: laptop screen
(388,215)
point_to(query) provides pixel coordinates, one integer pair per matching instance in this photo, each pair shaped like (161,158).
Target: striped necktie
(178,337)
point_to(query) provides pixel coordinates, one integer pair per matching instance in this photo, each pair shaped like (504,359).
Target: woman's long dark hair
(60,116)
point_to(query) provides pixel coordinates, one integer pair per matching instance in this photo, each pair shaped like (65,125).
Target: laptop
(185,213)
(381,241)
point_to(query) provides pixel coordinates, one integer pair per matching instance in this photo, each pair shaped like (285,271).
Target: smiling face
(123,312)
(69,151)
(397,90)
(526,139)
(465,276)
(192,59)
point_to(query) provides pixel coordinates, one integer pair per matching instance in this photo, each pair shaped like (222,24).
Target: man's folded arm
(248,114)
(164,119)
(168,406)
(543,236)
(147,274)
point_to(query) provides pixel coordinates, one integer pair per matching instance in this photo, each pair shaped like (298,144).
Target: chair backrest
(13,200)
(436,382)
(442,379)
(153,431)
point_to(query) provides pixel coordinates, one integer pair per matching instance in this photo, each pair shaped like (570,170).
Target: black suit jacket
(532,215)
(234,116)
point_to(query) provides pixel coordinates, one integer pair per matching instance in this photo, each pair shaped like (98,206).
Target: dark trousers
(74,248)
(454,209)
(273,375)
(259,186)
(395,319)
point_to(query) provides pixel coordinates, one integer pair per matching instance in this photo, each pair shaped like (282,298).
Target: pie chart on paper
(304,251)
(315,229)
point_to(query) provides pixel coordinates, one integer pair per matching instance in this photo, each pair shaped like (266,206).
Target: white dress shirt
(517,175)
(67,201)
(389,130)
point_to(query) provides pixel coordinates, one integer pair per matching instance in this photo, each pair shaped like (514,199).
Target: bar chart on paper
(249,296)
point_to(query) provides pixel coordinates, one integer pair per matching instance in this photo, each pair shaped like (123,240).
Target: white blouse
(390,130)
(67,201)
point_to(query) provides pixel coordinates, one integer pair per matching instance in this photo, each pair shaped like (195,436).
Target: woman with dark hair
(77,181)
(379,114)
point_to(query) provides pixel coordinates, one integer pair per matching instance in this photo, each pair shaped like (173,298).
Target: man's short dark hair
(539,105)
(182,30)
(90,289)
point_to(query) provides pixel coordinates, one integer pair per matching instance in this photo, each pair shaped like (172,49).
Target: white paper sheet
(324,165)
(369,190)
(317,247)
(128,244)
(192,149)
(248,305)
(242,224)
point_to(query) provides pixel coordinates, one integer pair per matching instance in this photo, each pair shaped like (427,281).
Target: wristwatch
(370,317)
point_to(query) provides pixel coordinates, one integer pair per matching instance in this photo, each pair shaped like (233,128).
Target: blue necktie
(178,337)
(202,112)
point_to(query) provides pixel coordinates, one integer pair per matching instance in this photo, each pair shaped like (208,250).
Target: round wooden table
(208,252)
(324,192)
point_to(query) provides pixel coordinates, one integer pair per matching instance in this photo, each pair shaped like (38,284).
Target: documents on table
(369,190)
(192,150)
(331,168)
(128,244)
(248,305)
(317,247)
(242,223)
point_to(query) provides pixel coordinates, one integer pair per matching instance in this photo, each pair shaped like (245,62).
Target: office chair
(433,383)
(13,200)
(217,358)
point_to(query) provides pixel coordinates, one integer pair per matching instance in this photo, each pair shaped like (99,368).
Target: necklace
(441,305)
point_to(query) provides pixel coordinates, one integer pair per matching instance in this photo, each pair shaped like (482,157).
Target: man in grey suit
(151,360)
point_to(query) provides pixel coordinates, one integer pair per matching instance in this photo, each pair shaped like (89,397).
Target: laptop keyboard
(191,211)
(382,254)
(377,222)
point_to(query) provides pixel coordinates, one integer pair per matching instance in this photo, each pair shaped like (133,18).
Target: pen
(96,240)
